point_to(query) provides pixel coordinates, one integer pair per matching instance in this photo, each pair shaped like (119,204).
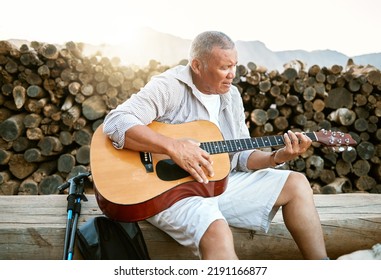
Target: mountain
(148,44)
(170,50)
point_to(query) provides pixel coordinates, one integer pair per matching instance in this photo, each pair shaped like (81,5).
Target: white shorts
(248,202)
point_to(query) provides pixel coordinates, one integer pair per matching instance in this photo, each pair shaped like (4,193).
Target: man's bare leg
(217,242)
(301,218)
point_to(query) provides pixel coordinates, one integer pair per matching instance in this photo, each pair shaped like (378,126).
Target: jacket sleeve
(140,109)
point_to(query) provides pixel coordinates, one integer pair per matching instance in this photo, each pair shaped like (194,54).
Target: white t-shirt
(212,103)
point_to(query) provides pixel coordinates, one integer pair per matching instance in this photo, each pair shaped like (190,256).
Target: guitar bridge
(146,159)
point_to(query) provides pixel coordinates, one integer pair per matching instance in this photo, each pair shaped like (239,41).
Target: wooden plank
(33,227)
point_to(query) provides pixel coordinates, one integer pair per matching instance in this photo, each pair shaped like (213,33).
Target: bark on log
(361,168)
(28,187)
(74,88)
(259,117)
(339,97)
(4,114)
(365,150)
(83,155)
(10,187)
(19,96)
(83,136)
(327,176)
(34,155)
(66,138)
(365,183)
(349,155)
(20,168)
(342,185)
(32,120)
(71,115)
(45,169)
(50,146)
(5,156)
(314,165)
(48,51)
(12,128)
(5,176)
(94,108)
(35,91)
(343,116)
(66,163)
(50,184)
(34,133)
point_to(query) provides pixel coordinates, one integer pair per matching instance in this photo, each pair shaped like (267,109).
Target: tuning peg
(338,149)
(341,149)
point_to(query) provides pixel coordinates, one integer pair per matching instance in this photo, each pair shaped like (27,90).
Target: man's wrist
(273,162)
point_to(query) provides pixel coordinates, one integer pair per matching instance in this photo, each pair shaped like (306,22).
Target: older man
(203,90)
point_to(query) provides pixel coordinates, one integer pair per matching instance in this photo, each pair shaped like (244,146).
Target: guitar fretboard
(237,145)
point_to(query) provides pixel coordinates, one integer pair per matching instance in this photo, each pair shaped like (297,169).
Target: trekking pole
(76,189)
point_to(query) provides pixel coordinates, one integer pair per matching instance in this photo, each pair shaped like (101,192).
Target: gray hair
(203,44)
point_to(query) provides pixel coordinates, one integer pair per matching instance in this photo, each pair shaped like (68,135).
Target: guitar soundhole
(168,170)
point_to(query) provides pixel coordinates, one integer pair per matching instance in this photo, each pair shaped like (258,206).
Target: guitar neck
(237,145)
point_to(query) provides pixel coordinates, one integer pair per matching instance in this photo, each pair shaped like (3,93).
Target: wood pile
(336,99)
(53,98)
(51,101)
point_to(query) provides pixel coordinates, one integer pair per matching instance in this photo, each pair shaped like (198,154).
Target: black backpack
(101,238)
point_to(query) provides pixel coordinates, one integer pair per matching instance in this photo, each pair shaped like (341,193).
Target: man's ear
(196,66)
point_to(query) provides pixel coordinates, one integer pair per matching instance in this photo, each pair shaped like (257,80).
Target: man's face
(217,74)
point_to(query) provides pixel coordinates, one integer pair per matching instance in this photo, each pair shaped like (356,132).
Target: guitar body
(125,191)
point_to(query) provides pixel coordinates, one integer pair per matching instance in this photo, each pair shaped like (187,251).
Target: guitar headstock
(335,138)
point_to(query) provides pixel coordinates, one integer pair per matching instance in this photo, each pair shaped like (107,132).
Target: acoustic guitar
(132,186)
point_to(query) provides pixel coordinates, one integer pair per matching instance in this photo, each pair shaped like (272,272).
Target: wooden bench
(33,227)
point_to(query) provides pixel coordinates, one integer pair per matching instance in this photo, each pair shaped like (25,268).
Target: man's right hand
(189,156)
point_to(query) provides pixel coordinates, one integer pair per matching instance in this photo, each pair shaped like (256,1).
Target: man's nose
(231,73)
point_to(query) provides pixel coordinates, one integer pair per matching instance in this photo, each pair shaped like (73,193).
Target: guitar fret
(230,147)
(206,146)
(237,144)
(254,143)
(273,141)
(260,142)
(248,144)
(219,147)
(213,147)
(279,140)
(224,146)
(266,141)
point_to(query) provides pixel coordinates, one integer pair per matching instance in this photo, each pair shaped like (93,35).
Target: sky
(348,26)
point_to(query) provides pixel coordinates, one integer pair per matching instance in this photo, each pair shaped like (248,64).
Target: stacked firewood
(336,99)
(53,98)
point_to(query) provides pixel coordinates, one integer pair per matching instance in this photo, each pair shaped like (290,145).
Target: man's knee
(217,231)
(298,182)
(217,242)
(296,185)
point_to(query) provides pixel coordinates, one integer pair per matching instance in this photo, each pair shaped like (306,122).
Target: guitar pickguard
(168,170)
